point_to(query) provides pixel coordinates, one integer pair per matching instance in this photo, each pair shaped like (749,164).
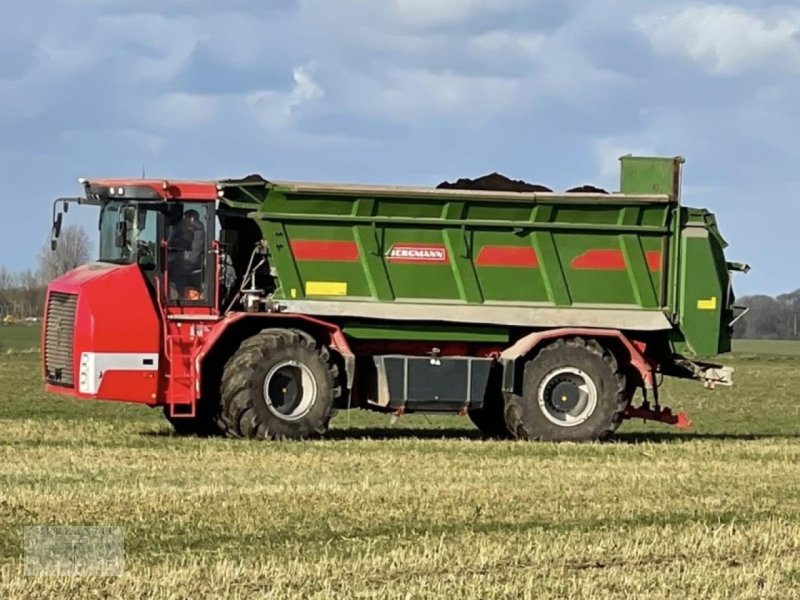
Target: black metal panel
(435,384)
(395,370)
(479,373)
(439,380)
(509,374)
(58,338)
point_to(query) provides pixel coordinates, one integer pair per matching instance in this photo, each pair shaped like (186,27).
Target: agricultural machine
(258,308)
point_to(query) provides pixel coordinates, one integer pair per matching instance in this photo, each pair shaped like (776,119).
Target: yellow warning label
(326,288)
(710,304)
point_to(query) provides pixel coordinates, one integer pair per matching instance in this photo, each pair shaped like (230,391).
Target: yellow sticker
(326,288)
(710,304)
(293,292)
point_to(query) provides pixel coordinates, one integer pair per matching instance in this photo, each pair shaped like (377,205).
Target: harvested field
(423,508)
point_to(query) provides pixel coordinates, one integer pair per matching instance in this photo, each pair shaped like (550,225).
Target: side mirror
(58,217)
(57,225)
(56,232)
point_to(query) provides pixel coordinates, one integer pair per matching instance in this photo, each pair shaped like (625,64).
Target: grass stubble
(423,508)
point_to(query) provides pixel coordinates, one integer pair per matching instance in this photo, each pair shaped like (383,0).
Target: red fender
(531,341)
(338,341)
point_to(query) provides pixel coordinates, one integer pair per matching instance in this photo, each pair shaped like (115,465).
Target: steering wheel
(145,252)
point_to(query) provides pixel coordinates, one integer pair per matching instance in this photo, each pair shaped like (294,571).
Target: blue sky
(406,91)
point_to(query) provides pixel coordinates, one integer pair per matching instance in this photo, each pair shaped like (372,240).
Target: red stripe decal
(600,260)
(333,251)
(507,256)
(654,260)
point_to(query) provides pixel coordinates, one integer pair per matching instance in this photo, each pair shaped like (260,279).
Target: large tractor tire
(490,419)
(572,390)
(278,385)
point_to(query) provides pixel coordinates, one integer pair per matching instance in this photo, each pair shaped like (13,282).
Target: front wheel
(278,385)
(571,390)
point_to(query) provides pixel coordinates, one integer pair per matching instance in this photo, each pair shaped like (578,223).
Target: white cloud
(272,110)
(168,43)
(245,43)
(147,144)
(528,45)
(725,40)
(411,78)
(414,96)
(441,12)
(64,56)
(276,111)
(180,109)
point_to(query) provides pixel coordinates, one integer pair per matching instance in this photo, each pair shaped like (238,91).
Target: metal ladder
(181,396)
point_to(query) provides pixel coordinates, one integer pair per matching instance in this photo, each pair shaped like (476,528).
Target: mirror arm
(58,216)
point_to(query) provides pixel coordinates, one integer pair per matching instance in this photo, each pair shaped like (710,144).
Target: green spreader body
(398,263)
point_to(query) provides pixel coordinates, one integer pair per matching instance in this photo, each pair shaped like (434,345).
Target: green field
(20,337)
(767,347)
(422,508)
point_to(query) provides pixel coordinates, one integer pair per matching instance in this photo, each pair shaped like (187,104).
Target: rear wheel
(572,390)
(278,385)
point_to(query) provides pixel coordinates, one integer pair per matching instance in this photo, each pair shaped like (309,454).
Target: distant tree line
(769,318)
(22,293)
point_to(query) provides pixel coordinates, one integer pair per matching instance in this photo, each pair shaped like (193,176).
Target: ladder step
(180,399)
(180,392)
(173,412)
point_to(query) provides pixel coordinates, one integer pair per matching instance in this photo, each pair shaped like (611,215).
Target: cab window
(189,232)
(128,233)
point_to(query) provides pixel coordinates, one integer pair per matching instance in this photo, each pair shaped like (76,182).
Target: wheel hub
(289,390)
(567,397)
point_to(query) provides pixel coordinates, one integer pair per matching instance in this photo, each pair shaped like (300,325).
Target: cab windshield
(128,233)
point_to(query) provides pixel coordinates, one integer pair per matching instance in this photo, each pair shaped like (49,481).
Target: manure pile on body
(495,182)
